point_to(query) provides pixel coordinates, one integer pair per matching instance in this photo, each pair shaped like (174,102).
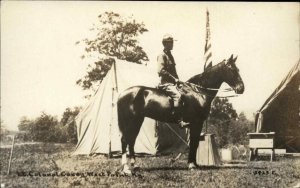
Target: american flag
(207,48)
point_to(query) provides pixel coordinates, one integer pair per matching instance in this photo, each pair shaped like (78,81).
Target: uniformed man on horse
(169,77)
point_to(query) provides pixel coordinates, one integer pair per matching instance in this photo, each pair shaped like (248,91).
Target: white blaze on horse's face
(233,77)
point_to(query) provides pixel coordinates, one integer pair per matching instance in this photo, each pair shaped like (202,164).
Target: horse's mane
(199,77)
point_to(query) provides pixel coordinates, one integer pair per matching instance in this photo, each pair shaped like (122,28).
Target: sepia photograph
(150,94)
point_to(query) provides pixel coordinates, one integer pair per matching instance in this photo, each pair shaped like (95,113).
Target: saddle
(177,111)
(163,87)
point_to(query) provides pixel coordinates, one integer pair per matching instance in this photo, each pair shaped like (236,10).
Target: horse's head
(232,76)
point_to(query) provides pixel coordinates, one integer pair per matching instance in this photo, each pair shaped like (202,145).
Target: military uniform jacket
(166,68)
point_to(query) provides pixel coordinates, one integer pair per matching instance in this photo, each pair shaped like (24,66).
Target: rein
(205,88)
(196,88)
(210,89)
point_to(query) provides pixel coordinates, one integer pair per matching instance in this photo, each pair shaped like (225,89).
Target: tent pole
(111,121)
(116,80)
(112,109)
(114,89)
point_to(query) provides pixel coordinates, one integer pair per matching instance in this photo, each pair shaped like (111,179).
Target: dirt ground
(52,165)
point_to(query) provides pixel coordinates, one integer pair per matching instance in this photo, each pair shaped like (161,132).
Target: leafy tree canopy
(115,37)
(25,124)
(69,115)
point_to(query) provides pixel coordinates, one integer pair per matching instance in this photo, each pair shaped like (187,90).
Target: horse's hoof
(126,170)
(172,161)
(192,166)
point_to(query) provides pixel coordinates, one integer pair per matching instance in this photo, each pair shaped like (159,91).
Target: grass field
(51,165)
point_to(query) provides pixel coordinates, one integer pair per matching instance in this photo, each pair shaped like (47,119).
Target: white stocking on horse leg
(124,159)
(126,169)
(132,164)
(192,166)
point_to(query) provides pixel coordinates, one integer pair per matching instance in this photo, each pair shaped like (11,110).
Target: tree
(239,129)
(115,37)
(221,114)
(2,127)
(3,131)
(25,124)
(68,122)
(229,128)
(44,128)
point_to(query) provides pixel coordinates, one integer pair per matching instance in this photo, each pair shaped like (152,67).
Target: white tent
(97,123)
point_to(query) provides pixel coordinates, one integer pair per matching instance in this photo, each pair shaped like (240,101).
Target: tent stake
(10,157)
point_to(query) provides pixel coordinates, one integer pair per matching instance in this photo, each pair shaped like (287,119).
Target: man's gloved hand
(178,83)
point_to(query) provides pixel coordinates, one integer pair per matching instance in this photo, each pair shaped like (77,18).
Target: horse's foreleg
(195,132)
(124,165)
(137,123)
(124,146)
(131,135)
(132,155)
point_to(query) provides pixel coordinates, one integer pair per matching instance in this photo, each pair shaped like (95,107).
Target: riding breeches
(173,93)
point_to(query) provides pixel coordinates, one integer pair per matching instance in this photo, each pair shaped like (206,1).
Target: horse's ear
(225,61)
(235,58)
(231,57)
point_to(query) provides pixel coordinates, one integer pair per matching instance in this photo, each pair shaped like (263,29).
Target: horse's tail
(129,117)
(129,104)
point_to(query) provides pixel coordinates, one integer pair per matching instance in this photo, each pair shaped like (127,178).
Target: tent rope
(177,134)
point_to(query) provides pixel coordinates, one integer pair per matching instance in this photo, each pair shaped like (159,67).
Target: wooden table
(261,141)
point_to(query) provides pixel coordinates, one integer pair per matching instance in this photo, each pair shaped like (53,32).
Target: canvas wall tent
(97,123)
(280,112)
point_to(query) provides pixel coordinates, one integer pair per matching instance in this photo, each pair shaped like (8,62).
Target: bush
(231,131)
(44,128)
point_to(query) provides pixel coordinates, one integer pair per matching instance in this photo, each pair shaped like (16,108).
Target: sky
(40,62)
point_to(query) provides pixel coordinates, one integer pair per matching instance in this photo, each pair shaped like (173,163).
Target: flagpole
(207,52)
(207,47)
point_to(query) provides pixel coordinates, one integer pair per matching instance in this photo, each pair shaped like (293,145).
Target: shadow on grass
(150,169)
(118,155)
(228,167)
(204,168)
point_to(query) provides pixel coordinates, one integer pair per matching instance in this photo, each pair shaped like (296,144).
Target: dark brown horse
(138,102)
